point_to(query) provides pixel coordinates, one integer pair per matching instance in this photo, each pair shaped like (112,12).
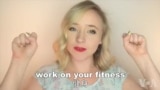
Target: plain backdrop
(44,17)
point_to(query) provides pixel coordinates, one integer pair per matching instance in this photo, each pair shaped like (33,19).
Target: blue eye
(72,29)
(92,31)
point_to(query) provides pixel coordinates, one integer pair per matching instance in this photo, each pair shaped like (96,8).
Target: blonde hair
(102,58)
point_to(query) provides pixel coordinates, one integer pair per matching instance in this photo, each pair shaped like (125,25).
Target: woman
(82,48)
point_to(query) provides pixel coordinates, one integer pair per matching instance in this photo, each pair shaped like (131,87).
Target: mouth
(80,49)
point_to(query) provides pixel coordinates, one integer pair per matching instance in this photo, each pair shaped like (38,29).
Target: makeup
(79,49)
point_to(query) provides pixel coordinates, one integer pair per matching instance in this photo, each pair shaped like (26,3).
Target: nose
(81,37)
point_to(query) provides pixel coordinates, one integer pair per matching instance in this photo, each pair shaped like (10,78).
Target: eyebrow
(87,25)
(93,26)
(74,24)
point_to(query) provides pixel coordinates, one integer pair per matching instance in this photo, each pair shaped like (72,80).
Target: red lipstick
(79,49)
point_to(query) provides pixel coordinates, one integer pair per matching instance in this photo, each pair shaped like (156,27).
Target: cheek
(93,45)
(70,42)
(96,40)
(70,39)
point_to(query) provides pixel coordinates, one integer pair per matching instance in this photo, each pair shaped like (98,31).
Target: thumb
(126,37)
(33,37)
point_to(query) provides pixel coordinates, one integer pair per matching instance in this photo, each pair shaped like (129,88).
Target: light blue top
(50,81)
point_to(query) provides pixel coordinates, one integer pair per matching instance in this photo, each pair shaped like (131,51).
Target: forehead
(90,17)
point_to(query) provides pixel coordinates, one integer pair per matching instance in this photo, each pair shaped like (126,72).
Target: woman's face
(84,36)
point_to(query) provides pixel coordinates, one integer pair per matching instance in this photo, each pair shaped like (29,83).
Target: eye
(92,31)
(72,29)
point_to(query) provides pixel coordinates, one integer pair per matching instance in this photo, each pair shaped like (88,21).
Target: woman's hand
(24,46)
(135,45)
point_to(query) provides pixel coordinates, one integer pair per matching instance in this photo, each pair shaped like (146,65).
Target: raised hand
(24,46)
(135,44)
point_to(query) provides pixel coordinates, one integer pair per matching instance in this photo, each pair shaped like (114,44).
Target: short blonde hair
(102,58)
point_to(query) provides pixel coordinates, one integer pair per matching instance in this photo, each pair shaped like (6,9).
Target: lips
(79,49)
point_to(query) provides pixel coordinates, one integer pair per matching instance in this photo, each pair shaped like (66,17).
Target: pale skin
(24,47)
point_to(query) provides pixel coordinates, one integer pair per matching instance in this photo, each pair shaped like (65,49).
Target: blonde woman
(82,53)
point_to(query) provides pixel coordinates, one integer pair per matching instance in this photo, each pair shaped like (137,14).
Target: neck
(86,65)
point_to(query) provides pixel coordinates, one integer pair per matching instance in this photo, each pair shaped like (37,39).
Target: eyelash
(72,29)
(92,31)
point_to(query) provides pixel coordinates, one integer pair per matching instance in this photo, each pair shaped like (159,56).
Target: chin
(78,57)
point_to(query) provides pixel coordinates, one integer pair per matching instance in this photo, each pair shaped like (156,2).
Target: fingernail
(27,34)
(129,33)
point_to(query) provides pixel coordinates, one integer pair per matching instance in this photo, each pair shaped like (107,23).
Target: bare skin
(24,47)
(136,47)
(19,64)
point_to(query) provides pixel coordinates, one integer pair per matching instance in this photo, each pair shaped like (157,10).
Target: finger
(22,39)
(126,38)
(27,35)
(16,42)
(131,38)
(135,38)
(33,37)
(27,40)
(141,40)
